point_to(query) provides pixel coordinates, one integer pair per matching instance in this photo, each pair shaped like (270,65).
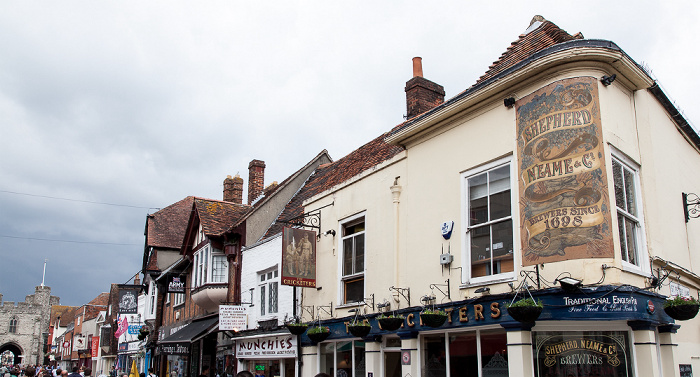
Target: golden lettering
(463,317)
(495,311)
(409,320)
(478,312)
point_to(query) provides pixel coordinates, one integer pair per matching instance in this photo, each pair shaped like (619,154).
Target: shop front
(268,355)
(189,350)
(603,331)
(127,353)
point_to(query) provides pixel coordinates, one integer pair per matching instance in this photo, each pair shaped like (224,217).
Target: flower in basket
(433,317)
(525,310)
(359,328)
(681,308)
(318,330)
(296,328)
(390,322)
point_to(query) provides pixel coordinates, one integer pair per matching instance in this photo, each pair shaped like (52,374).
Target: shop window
(13,325)
(269,285)
(475,353)
(210,266)
(629,225)
(582,353)
(353,260)
(489,222)
(343,359)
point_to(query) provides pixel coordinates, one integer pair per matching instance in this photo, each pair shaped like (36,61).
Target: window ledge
(350,305)
(635,270)
(494,281)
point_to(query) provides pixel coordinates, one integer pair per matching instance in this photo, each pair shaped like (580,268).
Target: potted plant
(433,317)
(681,308)
(359,328)
(296,328)
(525,310)
(318,333)
(390,322)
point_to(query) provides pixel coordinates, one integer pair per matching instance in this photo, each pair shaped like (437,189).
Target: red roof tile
(216,216)
(166,228)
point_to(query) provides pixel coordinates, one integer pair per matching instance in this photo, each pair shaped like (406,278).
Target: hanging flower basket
(433,318)
(318,334)
(525,310)
(390,323)
(359,329)
(681,308)
(297,328)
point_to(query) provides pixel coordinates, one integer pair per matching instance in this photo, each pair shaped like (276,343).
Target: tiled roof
(68,316)
(97,304)
(58,311)
(217,216)
(329,175)
(166,228)
(545,35)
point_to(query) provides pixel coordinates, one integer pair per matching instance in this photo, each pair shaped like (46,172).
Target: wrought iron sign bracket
(437,286)
(308,309)
(691,206)
(371,297)
(405,292)
(312,219)
(328,309)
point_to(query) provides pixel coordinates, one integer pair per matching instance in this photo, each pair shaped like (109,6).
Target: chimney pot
(256,179)
(233,189)
(417,67)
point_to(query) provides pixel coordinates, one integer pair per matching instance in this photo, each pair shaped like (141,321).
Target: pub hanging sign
(299,257)
(128,299)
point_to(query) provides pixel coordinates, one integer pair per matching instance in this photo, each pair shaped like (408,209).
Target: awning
(192,331)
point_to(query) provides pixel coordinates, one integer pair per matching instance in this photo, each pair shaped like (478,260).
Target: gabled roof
(68,316)
(332,174)
(59,311)
(540,35)
(166,228)
(216,216)
(93,308)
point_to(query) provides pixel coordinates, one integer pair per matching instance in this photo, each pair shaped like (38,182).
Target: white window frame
(152,299)
(266,279)
(466,237)
(357,275)
(640,234)
(178,299)
(203,266)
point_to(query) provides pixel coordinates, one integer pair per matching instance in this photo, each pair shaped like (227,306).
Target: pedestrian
(75,373)
(87,372)
(151,373)
(29,371)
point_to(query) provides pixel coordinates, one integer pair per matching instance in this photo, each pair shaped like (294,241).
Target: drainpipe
(395,194)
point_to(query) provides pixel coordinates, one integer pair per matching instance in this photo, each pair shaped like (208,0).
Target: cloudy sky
(110,110)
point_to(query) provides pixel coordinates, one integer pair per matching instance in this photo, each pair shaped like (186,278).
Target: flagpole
(43,277)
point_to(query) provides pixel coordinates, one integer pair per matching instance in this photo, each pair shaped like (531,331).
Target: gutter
(683,126)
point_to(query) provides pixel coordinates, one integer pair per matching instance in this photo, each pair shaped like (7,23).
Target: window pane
(359,358)
(480,251)
(629,192)
(347,256)
(502,247)
(500,205)
(435,364)
(619,185)
(273,297)
(262,300)
(478,199)
(630,236)
(463,355)
(494,353)
(359,253)
(327,365)
(623,238)
(344,359)
(355,290)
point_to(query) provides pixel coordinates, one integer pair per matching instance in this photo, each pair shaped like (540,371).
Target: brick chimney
(421,94)
(256,179)
(233,189)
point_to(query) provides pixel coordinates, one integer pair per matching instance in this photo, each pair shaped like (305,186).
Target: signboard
(174,348)
(128,299)
(298,257)
(582,353)
(232,318)
(134,329)
(268,347)
(176,285)
(95,346)
(565,206)
(80,342)
(679,290)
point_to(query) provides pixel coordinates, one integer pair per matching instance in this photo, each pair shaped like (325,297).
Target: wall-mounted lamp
(427,298)
(330,231)
(509,102)
(569,284)
(607,80)
(485,290)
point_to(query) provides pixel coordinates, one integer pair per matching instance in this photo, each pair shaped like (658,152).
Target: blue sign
(134,329)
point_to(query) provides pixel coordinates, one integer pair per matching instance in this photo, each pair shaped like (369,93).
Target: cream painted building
(564,160)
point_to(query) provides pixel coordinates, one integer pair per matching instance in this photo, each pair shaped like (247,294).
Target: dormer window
(210,266)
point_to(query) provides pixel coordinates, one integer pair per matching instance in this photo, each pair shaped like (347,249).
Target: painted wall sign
(563,190)
(298,257)
(175,348)
(232,318)
(582,354)
(268,347)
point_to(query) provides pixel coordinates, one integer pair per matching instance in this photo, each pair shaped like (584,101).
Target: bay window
(209,266)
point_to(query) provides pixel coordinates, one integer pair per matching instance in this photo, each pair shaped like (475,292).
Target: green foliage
(358,323)
(526,302)
(435,312)
(678,300)
(318,330)
(384,315)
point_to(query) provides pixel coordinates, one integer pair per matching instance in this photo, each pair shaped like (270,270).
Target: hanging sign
(128,299)
(565,207)
(176,285)
(95,346)
(298,257)
(232,318)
